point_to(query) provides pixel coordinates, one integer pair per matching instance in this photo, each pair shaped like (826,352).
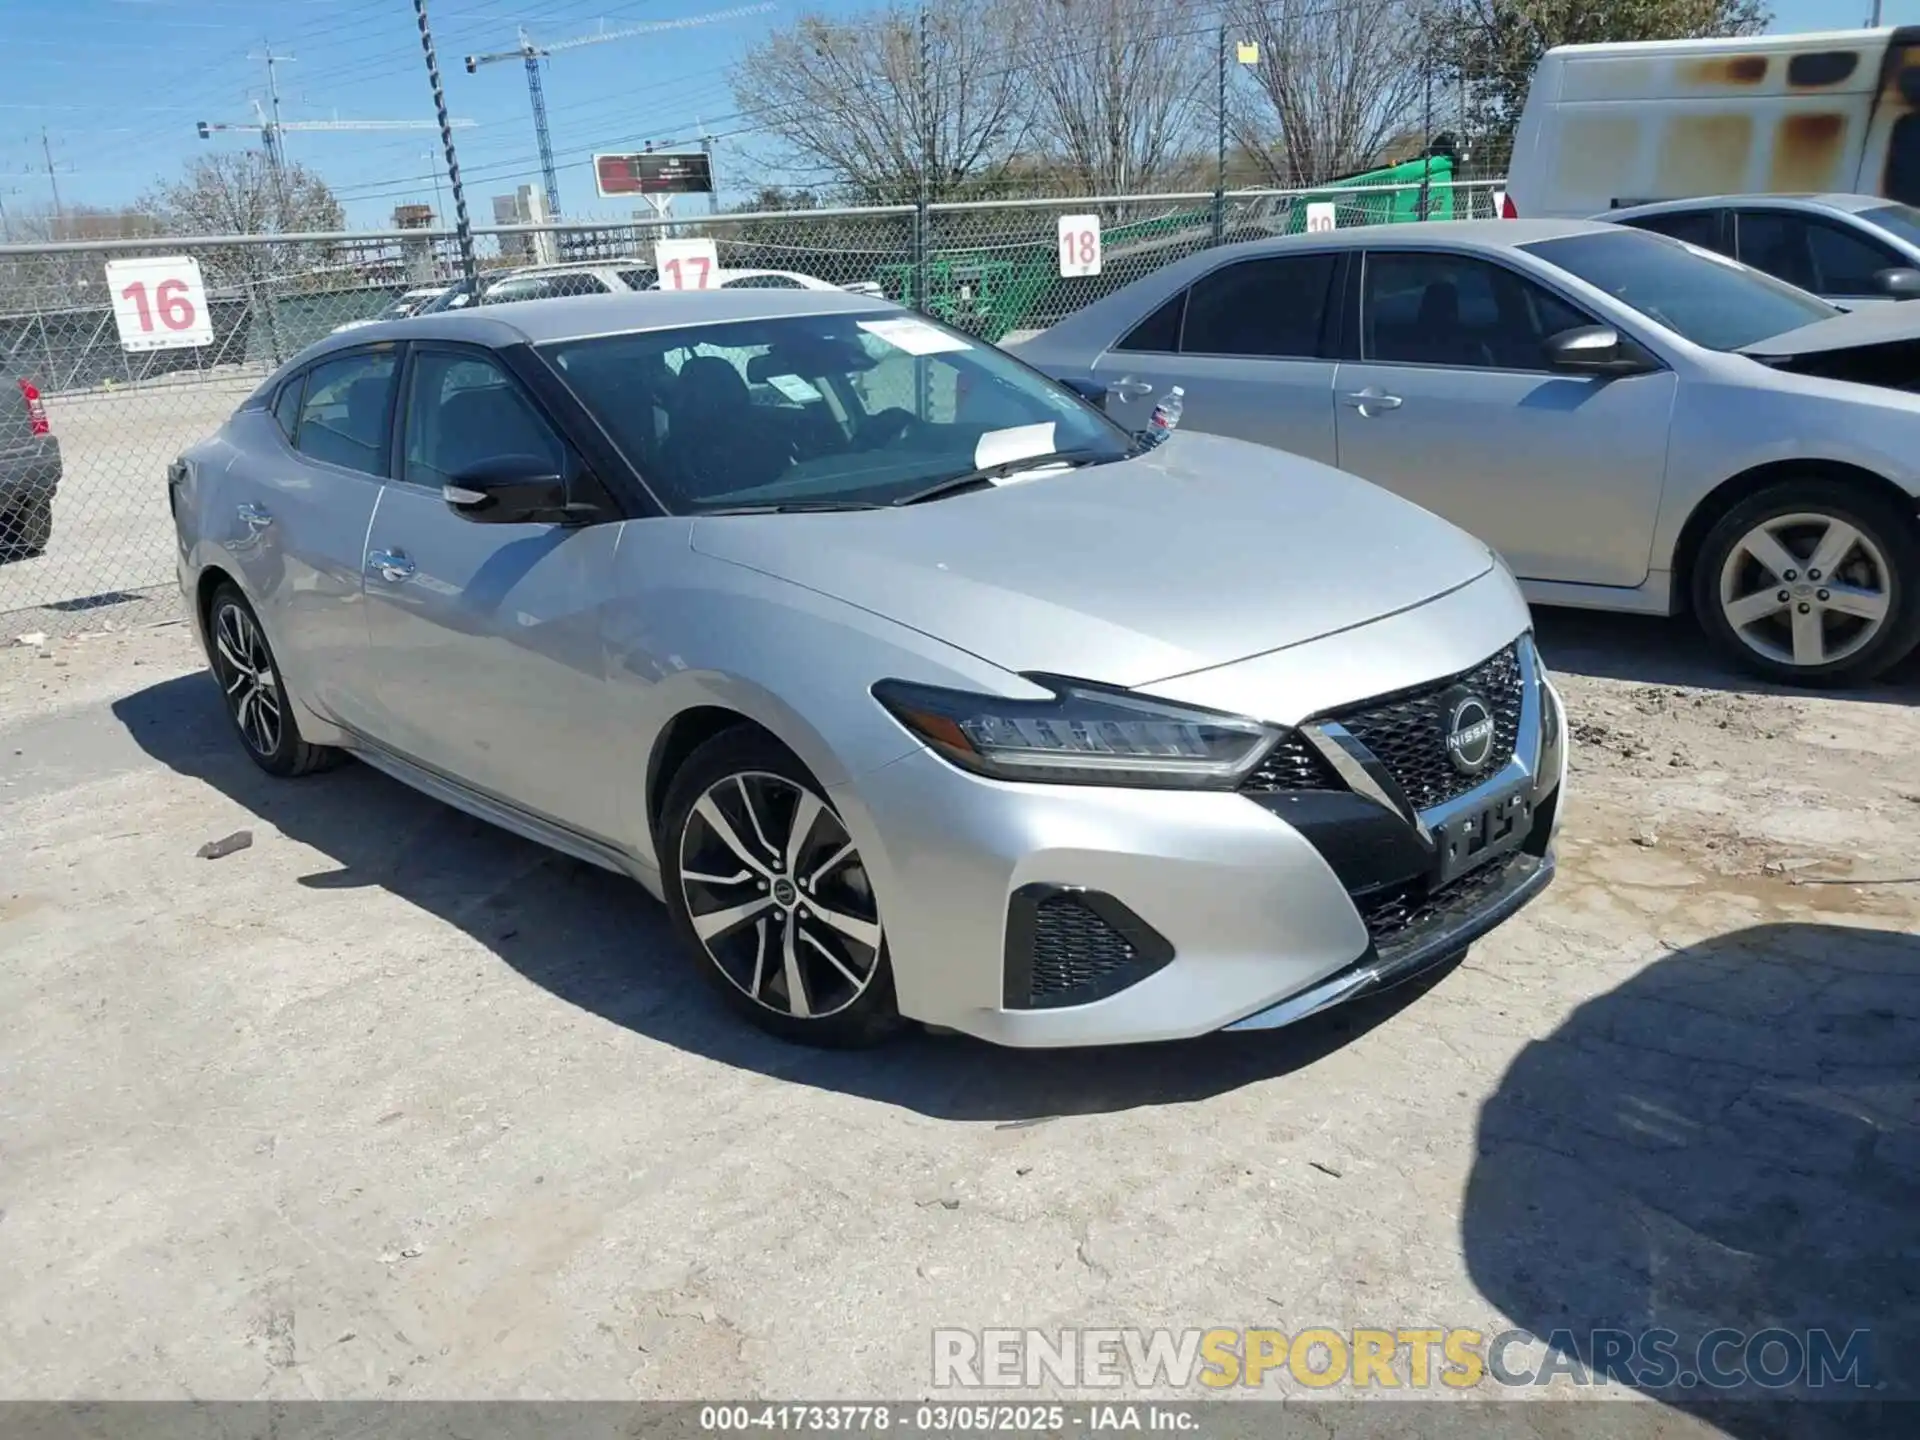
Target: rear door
(485,637)
(1451,404)
(293,513)
(1252,344)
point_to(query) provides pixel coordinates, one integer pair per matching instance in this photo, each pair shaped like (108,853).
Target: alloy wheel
(778,896)
(1806,589)
(245,667)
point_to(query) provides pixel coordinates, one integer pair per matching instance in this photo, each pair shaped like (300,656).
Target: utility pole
(1220,138)
(1874,21)
(46,149)
(923,209)
(462,226)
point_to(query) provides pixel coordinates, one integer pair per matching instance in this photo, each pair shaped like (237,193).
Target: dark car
(29,467)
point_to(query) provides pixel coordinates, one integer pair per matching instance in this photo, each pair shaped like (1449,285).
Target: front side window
(1433,309)
(463,411)
(1703,297)
(1272,308)
(821,410)
(1901,220)
(1845,261)
(345,414)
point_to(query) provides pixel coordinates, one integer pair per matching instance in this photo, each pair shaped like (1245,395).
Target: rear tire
(770,896)
(26,531)
(1811,582)
(254,696)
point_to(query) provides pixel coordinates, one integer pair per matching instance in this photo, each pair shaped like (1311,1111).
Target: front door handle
(1131,389)
(1371,398)
(253,517)
(392,566)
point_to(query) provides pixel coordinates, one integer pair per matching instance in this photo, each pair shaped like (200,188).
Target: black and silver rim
(778,896)
(245,667)
(1806,589)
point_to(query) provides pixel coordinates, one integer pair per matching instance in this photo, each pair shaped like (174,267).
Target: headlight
(1085,735)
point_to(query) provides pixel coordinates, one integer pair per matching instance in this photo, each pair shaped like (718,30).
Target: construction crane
(271,129)
(533,54)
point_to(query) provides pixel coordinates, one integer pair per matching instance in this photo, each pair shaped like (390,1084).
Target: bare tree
(240,192)
(846,94)
(1333,85)
(1118,90)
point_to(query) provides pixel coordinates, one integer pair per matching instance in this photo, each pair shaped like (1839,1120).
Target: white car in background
(410,303)
(781,280)
(586,277)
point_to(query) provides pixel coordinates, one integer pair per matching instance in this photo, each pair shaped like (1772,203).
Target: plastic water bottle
(1166,416)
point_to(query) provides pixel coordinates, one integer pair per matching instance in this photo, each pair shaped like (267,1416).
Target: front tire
(255,696)
(1811,582)
(768,892)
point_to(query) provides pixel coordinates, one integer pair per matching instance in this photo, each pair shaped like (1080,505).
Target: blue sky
(120,83)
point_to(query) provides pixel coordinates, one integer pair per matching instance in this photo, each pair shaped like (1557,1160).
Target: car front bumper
(1239,911)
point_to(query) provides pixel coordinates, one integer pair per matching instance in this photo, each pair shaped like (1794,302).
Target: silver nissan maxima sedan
(913,685)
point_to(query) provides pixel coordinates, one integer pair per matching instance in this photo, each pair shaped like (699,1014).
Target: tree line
(964,98)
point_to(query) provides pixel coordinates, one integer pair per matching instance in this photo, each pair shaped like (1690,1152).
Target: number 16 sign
(159,302)
(1079,244)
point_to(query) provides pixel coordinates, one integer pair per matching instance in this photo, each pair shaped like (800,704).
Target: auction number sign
(159,302)
(1079,244)
(1321,216)
(686,264)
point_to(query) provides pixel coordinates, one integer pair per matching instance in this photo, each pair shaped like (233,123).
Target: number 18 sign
(159,302)
(1079,244)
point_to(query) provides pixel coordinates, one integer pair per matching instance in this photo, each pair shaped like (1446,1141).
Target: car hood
(1201,552)
(1889,324)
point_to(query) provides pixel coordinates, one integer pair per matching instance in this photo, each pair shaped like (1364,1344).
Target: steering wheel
(886,428)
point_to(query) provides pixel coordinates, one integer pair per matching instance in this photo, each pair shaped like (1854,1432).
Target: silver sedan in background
(1634,423)
(913,685)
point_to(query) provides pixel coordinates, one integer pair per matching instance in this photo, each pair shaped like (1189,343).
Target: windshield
(810,410)
(1901,220)
(1704,297)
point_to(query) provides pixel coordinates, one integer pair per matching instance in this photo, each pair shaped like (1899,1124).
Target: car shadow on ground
(1655,650)
(598,941)
(1726,1144)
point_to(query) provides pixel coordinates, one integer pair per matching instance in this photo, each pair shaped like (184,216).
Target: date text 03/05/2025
(947,1419)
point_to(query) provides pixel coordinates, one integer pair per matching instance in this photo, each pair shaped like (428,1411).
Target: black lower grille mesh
(1398,914)
(1074,949)
(1407,734)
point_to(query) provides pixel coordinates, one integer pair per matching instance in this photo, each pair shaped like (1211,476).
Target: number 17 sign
(159,302)
(1079,244)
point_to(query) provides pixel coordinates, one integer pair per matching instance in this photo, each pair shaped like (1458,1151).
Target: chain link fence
(88,432)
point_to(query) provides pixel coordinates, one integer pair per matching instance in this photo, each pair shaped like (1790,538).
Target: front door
(1249,344)
(1453,407)
(486,650)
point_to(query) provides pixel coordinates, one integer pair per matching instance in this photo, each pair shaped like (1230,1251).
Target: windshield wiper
(987,474)
(793,507)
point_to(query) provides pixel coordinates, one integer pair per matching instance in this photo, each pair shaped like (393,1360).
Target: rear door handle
(390,565)
(253,517)
(1131,389)
(1372,398)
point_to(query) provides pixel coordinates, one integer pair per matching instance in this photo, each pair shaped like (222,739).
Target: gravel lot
(394,1105)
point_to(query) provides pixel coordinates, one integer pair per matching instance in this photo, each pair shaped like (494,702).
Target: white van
(1625,124)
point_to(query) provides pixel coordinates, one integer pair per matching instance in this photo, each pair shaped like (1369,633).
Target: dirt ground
(390,1104)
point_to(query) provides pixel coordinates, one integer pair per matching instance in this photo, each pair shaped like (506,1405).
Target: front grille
(1072,947)
(1407,734)
(1292,764)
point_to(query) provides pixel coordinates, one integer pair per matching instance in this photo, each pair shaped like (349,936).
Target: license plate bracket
(1480,833)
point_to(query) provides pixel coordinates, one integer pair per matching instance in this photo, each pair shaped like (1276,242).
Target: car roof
(1495,234)
(577,317)
(1830,201)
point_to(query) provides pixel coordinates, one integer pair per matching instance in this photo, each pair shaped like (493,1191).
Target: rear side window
(346,411)
(1160,331)
(286,409)
(1271,309)
(1696,227)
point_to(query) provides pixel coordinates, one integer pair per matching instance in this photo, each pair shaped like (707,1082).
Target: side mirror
(1094,392)
(1593,350)
(1900,282)
(514,490)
